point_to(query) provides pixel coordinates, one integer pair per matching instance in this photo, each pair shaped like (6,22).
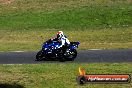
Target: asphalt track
(85,56)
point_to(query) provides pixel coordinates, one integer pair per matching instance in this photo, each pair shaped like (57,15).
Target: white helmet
(59,34)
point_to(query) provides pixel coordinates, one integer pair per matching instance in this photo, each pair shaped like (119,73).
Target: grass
(60,75)
(25,24)
(30,40)
(105,24)
(50,5)
(83,17)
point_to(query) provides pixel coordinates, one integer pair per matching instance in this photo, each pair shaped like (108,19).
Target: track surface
(85,56)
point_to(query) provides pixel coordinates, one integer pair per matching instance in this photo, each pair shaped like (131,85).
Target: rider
(62,39)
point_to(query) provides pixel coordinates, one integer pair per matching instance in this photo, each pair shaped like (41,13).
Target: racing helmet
(59,34)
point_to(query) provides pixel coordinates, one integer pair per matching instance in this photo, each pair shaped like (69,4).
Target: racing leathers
(64,44)
(63,41)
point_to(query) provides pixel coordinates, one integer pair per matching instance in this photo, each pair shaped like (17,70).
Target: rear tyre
(39,56)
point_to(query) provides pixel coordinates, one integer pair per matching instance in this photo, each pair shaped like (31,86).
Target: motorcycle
(50,51)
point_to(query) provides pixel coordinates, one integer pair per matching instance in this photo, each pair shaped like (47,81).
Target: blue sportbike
(50,51)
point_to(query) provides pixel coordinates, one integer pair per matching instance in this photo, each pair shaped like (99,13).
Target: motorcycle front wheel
(73,55)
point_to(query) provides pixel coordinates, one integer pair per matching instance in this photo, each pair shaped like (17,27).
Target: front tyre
(73,55)
(39,56)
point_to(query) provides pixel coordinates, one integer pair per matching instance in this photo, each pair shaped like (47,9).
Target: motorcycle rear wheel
(39,56)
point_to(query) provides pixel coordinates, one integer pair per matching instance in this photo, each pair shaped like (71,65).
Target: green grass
(83,17)
(60,75)
(25,24)
(105,24)
(30,40)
